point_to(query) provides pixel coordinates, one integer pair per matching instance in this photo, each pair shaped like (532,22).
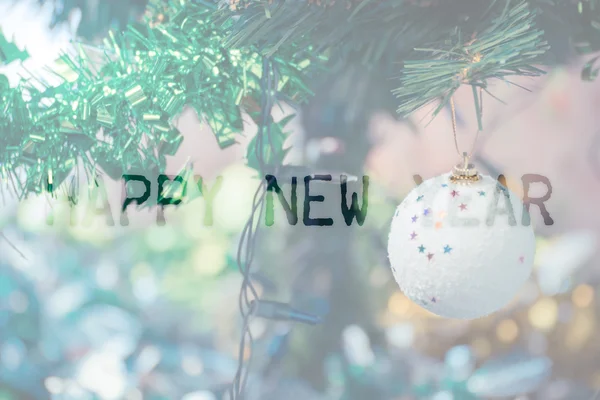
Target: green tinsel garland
(116,112)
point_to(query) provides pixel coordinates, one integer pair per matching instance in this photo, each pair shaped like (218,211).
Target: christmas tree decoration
(461,245)
(461,250)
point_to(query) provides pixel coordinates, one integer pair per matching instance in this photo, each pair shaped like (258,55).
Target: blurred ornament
(461,251)
(54,385)
(67,298)
(543,315)
(357,347)
(210,258)
(561,259)
(507,331)
(110,328)
(583,296)
(401,336)
(103,373)
(511,375)
(443,395)
(12,353)
(460,363)
(147,359)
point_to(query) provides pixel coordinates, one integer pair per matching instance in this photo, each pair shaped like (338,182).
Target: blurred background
(151,312)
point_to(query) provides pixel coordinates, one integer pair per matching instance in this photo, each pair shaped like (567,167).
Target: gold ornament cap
(464,173)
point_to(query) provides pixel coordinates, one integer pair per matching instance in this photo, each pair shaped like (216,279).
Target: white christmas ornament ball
(461,251)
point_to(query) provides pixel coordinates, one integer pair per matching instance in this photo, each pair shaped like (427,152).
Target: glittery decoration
(454,193)
(414,219)
(115,104)
(460,267)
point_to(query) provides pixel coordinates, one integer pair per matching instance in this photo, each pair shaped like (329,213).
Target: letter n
(290,211)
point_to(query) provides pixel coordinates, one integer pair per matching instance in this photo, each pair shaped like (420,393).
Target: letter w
(354,210)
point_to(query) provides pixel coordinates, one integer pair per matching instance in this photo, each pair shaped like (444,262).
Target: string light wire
(249,296)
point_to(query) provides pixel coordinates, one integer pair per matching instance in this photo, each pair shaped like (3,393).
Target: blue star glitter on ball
(413,236)
(444,185)
(481,193)
(436,263)
(414,219)
(420,198)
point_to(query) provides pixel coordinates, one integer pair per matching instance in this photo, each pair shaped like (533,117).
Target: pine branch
(511,45)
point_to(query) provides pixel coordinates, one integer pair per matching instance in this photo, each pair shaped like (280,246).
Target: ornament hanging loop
(464,173)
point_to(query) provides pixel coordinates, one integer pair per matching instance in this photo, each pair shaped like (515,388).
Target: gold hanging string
(454,128)
(465,173)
